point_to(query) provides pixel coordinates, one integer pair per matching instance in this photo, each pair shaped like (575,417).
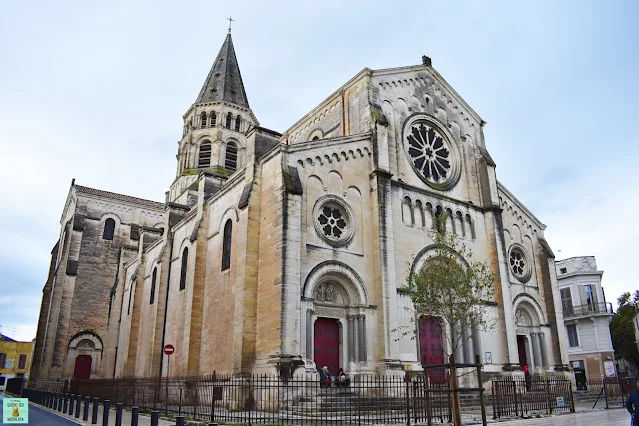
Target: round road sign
(169,349)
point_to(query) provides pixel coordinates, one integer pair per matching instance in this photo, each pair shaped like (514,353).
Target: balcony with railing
(591,309)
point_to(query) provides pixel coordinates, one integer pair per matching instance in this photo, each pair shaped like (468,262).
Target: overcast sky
(96,91)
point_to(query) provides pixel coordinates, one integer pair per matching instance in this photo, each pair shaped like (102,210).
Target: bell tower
(215,126)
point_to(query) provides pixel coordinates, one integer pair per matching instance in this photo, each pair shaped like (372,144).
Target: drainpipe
(166,306)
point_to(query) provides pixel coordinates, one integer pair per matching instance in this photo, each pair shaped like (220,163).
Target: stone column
(362,338)
(309,334)
(351,338)
(476,344)
(356,333)
(534,346)
(542,349)
(466,345)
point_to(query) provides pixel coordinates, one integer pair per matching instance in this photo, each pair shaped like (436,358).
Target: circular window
(333,220)
(519,263)
(431,154)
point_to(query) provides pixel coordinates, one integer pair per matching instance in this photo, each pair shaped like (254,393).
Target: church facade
(291,249)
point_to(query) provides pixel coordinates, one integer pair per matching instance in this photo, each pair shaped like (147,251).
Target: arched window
(109,229)
(229,118)
(213,119)
(185,264)
(226,245)
(440,224)
(230,162)
(315,138)
(153,278)
(204,160)
(186,157)
(238,121)
(203,120)
(128,309)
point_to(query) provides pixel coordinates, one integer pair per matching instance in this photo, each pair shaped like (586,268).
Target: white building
(587,317)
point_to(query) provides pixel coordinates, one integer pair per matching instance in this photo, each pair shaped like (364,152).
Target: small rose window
(333,220)
(518,263)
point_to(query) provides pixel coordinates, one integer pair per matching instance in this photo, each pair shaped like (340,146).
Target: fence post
(60,398)
(180,404)
(94,415)
(516,405)
(572,398)
(85,414)
(54,403)
(71,401)
(105,412)
(605,391)
(548,404)
(155,418)
(66,403)
(118,414)
(134,416)
(492,391)
(480,384)
(406,382)
(78,398)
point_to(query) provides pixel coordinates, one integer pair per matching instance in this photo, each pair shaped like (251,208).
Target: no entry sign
(169,349)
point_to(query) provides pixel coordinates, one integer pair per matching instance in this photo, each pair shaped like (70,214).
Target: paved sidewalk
(143,419)
(612,417)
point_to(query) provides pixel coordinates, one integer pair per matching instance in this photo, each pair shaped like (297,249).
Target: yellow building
(15,359)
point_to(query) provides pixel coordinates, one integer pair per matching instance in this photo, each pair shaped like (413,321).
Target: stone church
(292,249)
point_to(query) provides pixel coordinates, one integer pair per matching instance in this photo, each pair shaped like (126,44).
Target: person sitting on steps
(325,378)
(342,378)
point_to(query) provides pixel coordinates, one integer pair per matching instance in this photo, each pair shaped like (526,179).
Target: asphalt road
(42,417)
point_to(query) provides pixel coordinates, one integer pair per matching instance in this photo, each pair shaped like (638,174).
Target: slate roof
(120,197)
(224,82)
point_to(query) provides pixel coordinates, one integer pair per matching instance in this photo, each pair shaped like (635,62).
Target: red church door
(82,367)
(326,344)
(431,350)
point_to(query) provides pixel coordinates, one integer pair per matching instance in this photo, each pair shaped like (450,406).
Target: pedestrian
(632,405)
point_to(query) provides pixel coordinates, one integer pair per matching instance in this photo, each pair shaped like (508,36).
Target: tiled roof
(119,197)
(6,338)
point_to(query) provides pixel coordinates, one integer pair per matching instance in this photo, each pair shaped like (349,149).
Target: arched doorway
(82,369)
(326,344)
(531,337)
(431,350)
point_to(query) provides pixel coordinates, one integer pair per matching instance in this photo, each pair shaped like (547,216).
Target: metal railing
(587,310)
(518,397)
(269,399)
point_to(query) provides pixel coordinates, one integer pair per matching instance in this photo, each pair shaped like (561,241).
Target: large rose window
(431,154)
(334,220)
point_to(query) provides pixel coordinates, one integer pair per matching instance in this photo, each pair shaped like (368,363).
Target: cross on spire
(231,20)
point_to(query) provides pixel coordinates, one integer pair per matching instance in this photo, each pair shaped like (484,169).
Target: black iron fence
(612,390)
(261,399)
(519,397)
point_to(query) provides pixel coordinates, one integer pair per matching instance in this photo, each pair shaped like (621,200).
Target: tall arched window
(185,264)
(238,121)
(185,156)
(153,278)
(226,245)
(213,118)
(229,118)
(204,160)
(230,162)
(440,225)
(203,120)
(128,309)
(109,229)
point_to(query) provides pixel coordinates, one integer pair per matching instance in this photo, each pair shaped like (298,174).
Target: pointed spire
(224,82)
